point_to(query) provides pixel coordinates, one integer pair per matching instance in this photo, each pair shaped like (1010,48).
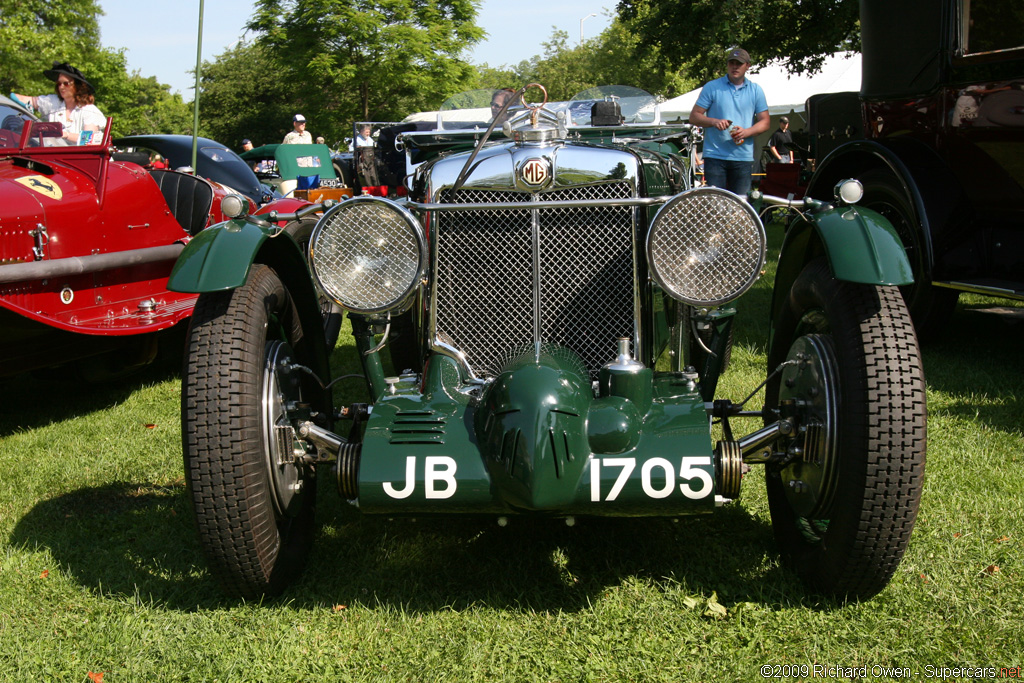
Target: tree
(36,33)
(136,104)
(364,60)
(244,96)
(612,58)
(699,32)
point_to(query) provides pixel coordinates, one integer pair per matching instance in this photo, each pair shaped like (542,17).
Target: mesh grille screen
(489,262)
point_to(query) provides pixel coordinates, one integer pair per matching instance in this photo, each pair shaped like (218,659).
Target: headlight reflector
(368,254)
(706,247)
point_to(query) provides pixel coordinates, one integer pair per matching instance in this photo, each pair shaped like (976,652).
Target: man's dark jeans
(728,175)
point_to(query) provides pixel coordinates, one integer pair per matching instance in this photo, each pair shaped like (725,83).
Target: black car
(214,161)
(936,135)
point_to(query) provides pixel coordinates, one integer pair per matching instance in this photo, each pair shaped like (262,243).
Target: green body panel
(536,440)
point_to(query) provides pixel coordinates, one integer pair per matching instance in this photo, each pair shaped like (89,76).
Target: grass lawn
(101,572)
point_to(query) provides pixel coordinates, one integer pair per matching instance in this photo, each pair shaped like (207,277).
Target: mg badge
(535,172)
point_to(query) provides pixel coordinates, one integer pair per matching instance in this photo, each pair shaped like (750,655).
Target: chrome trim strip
(535,229)
(520,206)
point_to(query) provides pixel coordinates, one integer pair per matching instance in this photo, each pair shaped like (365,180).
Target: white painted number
(689,470)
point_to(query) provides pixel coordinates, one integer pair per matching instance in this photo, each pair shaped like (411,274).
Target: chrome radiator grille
(508,278)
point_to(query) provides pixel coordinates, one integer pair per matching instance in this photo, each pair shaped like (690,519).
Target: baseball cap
(783,119)
(738,53)
(299,118)
(246,141)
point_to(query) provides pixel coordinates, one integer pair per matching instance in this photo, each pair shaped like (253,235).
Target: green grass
(100,568)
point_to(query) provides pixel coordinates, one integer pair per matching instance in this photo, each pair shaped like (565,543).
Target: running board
(991,289)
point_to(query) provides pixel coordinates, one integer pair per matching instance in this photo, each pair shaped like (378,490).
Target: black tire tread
(222,441)
(883,439)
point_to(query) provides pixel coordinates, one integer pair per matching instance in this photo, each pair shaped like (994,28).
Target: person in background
(498,99)
(778,144)
(299,135)
(733,111)
(320,140)
(365,136)
(246,145)
(72,105)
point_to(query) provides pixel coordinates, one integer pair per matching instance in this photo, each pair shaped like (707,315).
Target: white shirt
(296,138)
(52,108)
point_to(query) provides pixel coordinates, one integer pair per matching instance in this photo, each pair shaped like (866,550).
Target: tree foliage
(244,96)
(698,33)
(36,33)
(364,60)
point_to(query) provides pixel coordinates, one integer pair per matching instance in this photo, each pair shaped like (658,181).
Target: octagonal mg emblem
(535,172)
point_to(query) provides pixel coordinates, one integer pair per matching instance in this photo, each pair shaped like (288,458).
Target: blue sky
(160,37)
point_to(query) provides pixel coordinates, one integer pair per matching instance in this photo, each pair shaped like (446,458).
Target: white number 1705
(689,470)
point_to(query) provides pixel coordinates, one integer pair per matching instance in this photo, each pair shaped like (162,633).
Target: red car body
(86,246)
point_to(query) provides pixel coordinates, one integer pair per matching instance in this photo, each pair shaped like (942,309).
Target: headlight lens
(368,254)
(706,247)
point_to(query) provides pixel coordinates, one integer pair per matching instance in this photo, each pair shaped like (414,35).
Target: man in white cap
(298,136)
(733,111)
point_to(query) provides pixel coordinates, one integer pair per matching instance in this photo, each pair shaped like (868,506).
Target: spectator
(365,137)
(72,106)
(320,140)
(778,144)
(498,99)
(299,135)
(246,145)
(733,111)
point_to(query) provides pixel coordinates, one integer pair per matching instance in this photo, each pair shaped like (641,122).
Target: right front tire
(253,504)
(844,506)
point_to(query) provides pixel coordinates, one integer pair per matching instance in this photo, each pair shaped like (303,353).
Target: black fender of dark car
(917,171)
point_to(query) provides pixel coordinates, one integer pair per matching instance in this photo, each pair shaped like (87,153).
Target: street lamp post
(581,25)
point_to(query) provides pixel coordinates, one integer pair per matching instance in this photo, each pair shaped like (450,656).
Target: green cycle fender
(218,258)
(860,246)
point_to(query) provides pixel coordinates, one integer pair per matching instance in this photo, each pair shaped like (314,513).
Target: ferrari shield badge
(535,172)
(42,185)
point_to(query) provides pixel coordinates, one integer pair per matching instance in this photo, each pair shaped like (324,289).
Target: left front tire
(254,505)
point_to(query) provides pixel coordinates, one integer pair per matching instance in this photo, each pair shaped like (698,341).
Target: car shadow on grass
(533,564)
(124,539)
(138,541)
(37,399)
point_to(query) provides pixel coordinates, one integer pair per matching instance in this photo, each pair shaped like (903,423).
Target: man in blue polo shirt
(732,111)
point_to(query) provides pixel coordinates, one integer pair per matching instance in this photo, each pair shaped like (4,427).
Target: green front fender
(859,244)
(218,258)
(862,246)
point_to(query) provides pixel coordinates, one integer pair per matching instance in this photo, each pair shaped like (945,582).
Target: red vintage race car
(86,246)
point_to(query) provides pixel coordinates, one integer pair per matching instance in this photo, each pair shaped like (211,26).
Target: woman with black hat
(72,105)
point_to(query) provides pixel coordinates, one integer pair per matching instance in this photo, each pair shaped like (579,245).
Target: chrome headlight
(706,247)
(368,254)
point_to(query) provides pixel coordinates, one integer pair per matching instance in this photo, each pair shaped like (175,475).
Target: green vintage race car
(556,297)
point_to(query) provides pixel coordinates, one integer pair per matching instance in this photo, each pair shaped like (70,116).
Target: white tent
(786,93)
